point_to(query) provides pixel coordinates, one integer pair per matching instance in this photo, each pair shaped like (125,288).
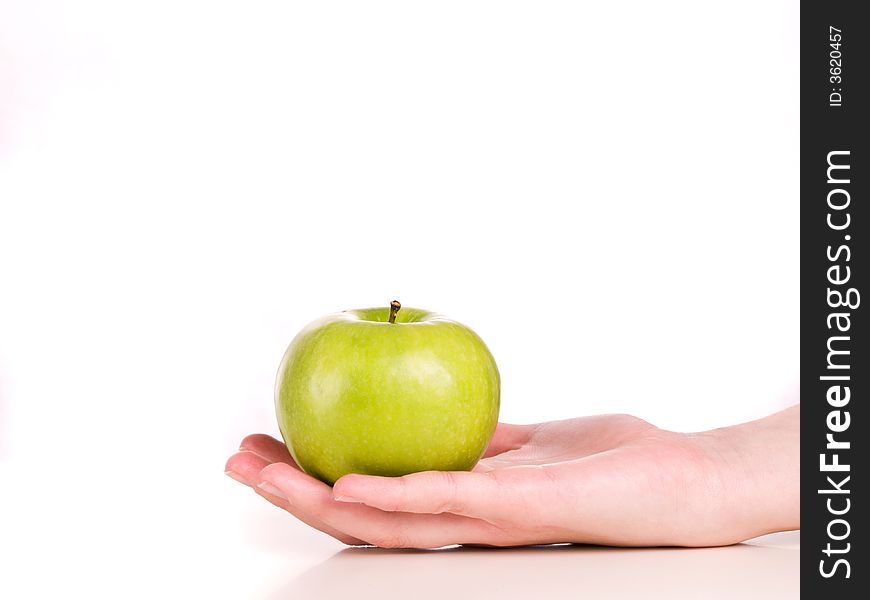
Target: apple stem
(394,310)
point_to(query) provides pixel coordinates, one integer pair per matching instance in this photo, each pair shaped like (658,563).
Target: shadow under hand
(744,570)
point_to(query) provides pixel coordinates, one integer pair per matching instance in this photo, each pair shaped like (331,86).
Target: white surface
(606,192)
(761,569)
(214,539)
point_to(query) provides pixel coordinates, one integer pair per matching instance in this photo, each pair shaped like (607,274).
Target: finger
(377,527)
(245,467)
(310,520)
(429,492)
(268,447)
(508,437)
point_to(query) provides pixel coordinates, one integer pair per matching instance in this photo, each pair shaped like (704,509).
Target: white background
(606,192)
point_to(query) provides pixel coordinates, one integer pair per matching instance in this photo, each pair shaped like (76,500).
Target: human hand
(610,479)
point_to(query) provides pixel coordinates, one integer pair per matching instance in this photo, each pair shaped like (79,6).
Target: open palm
(610,479)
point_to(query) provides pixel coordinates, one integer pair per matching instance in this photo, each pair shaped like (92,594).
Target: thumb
(431,492)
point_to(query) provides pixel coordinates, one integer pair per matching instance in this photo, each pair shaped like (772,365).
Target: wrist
(758,465)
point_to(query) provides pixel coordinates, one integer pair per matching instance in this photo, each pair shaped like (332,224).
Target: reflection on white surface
(764,568)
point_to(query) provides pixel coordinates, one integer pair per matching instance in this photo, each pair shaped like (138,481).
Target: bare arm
(609,479)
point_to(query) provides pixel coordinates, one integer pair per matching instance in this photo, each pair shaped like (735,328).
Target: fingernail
(236,476)
(347,499)
(271,489)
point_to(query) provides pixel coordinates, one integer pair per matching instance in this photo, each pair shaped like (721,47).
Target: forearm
(761,473)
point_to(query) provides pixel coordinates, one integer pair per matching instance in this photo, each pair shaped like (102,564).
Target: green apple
(386,391)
